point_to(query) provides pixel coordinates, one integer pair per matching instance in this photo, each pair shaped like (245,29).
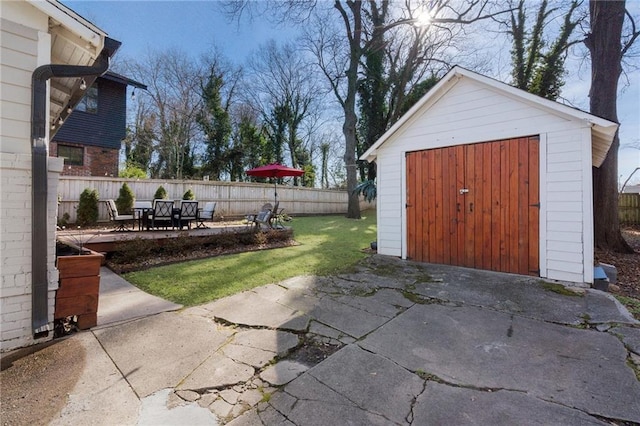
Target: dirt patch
(313,351)
(35,388)
(628,265)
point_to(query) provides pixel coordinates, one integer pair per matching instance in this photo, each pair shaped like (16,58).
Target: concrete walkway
(394,342)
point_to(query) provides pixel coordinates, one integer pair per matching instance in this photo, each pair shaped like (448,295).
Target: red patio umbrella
(275,170)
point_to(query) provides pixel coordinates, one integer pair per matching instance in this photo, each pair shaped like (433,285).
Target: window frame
(70,160)
(89,102)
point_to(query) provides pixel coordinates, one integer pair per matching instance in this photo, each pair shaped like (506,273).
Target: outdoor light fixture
(69,110)
(83,84)
(53,126)
(60,121)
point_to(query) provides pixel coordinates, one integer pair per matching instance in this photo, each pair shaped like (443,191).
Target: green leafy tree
(132,171)
(87,212)
(214,121)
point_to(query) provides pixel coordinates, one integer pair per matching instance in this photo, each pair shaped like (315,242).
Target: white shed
(483,175)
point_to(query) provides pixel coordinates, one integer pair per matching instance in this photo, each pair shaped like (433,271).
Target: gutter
(39,180)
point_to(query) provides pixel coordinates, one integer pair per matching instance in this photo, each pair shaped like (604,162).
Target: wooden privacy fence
(234,199)
(629,209)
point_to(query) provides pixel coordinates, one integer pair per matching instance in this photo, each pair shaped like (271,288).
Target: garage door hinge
(535,205)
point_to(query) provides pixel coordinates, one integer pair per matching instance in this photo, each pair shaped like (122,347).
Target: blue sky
(194,26)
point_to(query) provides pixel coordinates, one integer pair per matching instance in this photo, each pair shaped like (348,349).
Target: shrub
(125,200)
(161,193)
(189,195)
(88,207)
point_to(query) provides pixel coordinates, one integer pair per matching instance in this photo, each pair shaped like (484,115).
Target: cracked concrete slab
(385,302)
(250,309)
(279,342)
(307,401)
(157,352)
(256,358)
(352,321)
(442,404)
(526,296)
(630,337)
(370,381)
(100,392)
(486,349)
(217,371)
(283,372)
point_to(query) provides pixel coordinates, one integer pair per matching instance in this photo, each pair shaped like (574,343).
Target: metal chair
(206,214)
(162,214)
(188,212)
(119,219)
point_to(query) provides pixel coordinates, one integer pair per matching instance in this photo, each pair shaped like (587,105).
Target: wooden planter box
(79,288)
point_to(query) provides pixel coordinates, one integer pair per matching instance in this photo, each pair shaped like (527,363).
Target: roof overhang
(74,41)
(602,131)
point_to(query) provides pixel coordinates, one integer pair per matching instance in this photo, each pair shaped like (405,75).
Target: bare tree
(287,94)
(608,44)
(172,99)
(338,46)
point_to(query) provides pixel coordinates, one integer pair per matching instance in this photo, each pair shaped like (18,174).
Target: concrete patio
(405,343)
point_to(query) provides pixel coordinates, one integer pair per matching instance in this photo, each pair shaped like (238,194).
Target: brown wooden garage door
(475,205)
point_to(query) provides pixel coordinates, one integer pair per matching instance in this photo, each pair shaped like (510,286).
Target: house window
(89,103)
(73,155)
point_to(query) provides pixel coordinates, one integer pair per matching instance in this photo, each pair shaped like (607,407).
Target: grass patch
(328,245)
(633,305)
(559,288)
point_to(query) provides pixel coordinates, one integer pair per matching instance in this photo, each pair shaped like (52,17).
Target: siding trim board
(466,111)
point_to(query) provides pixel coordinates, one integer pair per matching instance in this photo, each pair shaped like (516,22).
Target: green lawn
(328,245)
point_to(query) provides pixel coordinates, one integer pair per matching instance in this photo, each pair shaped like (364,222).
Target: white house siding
(23,47)
(470,112)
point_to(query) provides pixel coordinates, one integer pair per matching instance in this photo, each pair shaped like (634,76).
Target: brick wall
(97,161)
(15,249)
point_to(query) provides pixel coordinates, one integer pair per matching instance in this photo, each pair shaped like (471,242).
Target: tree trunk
(604,44)
(349,105)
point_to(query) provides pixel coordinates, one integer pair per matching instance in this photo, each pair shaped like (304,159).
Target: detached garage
(483,175)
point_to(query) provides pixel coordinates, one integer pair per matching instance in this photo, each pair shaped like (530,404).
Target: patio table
(142,214)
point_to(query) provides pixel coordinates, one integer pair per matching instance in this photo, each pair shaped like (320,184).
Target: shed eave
(603,130)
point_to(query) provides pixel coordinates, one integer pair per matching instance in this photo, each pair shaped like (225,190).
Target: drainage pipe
(39,153)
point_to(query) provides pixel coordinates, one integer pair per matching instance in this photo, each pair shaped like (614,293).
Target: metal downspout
(39,153)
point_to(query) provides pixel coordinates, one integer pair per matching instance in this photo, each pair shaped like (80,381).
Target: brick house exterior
(91,136)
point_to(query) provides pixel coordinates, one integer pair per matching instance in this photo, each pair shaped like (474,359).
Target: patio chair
(188,213)
(206,214)
(263,217)
(162,214)
(119,219)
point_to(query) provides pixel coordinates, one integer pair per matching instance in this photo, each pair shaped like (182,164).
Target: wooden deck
(104,240)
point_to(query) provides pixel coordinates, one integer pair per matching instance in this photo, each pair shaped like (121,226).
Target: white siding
(21,51)
(472,112)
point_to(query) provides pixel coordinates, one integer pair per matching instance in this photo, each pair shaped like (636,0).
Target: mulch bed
(628,265)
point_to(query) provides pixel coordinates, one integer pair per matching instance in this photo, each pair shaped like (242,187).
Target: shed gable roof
(602,131)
